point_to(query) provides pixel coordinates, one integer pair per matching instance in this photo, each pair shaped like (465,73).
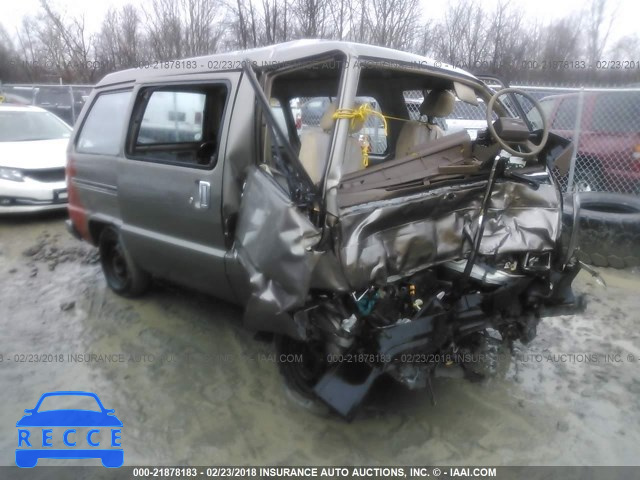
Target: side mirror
(28,410)
(110,411)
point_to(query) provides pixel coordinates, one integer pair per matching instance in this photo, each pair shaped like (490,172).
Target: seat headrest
(439,103)
(327,121)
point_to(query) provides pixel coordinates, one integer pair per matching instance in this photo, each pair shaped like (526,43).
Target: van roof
(283,52)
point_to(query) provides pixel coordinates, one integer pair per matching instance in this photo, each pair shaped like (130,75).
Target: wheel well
(95,230)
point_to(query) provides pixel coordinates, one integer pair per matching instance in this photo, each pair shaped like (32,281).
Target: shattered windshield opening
(430,124)
(303,101)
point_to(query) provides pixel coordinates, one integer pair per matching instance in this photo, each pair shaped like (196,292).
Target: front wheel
(123,276)
(302,364)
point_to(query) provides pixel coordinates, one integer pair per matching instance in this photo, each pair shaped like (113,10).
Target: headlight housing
(12,174)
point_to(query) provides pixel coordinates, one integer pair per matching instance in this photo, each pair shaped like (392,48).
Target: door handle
(204,194)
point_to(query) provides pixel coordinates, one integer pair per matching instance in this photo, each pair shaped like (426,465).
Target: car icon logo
(41,427)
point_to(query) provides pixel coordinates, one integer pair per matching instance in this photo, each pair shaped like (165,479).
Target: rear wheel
(123,276)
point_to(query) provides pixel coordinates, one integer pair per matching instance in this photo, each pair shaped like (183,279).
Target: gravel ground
(191,386)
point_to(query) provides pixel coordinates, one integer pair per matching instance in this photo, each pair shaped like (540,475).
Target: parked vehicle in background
(33,144)
(66,101)
(608,145)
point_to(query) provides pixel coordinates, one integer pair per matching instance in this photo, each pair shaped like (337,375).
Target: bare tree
(52,45)
(508,36)
(119,43)
(312,18)
(428,39)
(243,23)
(599,20)
(626,48)
(562,40)
(164,30)
(55,46)
(202,26)
(392,23)
(449,40)
(8,66)
(343,17)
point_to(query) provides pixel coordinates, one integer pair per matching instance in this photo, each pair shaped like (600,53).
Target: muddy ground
(191,386)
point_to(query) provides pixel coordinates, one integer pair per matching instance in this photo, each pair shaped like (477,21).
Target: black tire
(301,376)
(609,228)
(123,276)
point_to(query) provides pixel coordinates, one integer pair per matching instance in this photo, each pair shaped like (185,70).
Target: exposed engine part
(409,328)
(349,323)
(484,273)
(537,263)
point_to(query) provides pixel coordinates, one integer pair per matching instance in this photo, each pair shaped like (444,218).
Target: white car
(33,150)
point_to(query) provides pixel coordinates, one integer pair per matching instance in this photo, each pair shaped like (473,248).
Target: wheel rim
(119,265)
(115,266)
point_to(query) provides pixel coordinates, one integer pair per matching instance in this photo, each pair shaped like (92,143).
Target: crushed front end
(423,254)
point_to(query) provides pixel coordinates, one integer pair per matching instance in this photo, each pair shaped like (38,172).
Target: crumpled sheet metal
(378,242)
(274,245)
(391,239)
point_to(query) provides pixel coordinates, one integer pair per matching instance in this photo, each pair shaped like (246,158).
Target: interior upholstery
(315,143)
(439,103)
(414,134)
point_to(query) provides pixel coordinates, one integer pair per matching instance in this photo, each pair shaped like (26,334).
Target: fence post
(73,106)
(576,141)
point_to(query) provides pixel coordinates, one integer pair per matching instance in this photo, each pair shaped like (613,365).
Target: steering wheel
(532,148)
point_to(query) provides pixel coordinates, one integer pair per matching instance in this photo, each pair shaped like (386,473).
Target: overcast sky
(628,11)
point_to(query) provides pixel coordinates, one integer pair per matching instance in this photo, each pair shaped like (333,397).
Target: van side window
(103,127)
(179,125)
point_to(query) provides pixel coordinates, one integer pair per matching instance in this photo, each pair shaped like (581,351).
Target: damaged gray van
(364,257)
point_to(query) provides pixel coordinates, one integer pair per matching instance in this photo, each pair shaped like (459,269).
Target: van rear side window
(104,127)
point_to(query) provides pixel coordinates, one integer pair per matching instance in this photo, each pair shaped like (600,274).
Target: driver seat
(438,103)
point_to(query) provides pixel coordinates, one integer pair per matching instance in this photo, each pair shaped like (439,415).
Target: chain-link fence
(604,125)
(65,101)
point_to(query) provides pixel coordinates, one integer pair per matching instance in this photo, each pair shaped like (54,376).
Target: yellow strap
(365,155)
(360,113)
(363,111)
